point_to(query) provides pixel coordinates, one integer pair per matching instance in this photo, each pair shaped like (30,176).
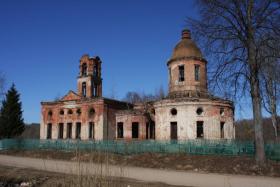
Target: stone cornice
(186,58)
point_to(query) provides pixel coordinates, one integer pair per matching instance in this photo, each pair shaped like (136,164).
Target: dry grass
(15,176)
(102,172)
(100,176)
(212,164)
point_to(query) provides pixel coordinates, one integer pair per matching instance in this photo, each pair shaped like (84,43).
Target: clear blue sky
(41,43)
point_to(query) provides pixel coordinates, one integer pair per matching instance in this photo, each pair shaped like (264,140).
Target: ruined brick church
(188,112)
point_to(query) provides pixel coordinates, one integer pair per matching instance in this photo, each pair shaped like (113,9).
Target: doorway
(49,131)
(199,129)
(91,130)
(60,131)
(78,130)
(222,124)
(135,130)
(69,130)
(150,130)
(120,130)
(173,131)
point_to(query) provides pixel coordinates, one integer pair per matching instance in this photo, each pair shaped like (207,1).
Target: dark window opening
(61,112)
(94,90)
(222,124)
(84,69)
(95,70)
(120,130)
(135,130)
(150,130)
(60,131)
(181,73)
(70,111)
(49,131)
(69,130)
(79,111)
(199,111)
(84,89)
(173,131)
(197,72)
(91,112)
(199,129)
(173,111)
(78,130)
(91,130)
(50,113)
(222,111)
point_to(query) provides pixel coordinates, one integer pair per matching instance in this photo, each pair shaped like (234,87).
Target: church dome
(186,48)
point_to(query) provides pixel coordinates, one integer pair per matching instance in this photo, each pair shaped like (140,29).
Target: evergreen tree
(11,120)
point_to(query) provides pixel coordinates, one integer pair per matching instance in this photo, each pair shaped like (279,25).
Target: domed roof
(186,48)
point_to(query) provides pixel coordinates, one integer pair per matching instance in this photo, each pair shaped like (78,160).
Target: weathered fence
(199,147)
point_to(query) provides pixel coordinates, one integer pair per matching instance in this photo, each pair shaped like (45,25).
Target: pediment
(71,96)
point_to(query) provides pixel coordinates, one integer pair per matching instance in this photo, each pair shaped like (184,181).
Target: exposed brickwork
(90,73)
(185,96)
(130,117)
(187,119)
(75,108)
(189,83)
(196,113)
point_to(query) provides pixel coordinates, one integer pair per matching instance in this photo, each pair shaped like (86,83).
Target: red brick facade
(188,112)
(83,115)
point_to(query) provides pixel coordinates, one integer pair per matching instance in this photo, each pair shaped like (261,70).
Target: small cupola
(186,48)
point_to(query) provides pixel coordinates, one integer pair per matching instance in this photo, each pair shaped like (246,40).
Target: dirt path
(15,176)
(144,174)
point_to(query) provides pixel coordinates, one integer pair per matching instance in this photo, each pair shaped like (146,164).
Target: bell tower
(89,79)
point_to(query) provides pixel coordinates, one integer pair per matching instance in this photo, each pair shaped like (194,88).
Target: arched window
(84,89)
(173,111)
(61,112)
(95,70)
(222,111)
(94,90)
(70,111)
(79,111)
(199,111)
(84,69)
(91,111)
(196,72)
(50,113)
(181,73)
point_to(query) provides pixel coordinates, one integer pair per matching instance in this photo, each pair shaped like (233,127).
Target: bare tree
(269,55)
(135,97)
(160,93)
(144,103)
(132,97)
(270,88)
(113,94)
(232,31)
